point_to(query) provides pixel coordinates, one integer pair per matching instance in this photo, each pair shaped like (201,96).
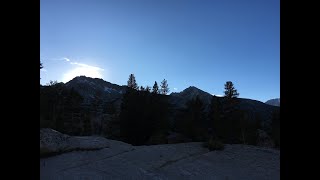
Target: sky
(201,43)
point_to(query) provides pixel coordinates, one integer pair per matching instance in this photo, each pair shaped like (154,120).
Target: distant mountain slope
(97,91)
(258,108)
(273,102)
(180,99)
(92,88)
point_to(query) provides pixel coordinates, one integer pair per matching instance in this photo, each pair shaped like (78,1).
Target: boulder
(52,142)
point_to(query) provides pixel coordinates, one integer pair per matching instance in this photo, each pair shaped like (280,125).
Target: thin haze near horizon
(198,43)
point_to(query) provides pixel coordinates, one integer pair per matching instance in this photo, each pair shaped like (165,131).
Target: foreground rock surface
(169,161)
(52,142)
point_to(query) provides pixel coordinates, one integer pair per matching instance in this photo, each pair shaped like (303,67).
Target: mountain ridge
(105,87)
(108,86)
(273,102)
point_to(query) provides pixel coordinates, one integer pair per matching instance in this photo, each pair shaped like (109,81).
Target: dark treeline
(60,109)
(143,117)
(224,121)
(191,122)
(64,110)
(144,114)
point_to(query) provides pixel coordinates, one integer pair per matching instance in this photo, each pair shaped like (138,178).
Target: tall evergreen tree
(164,87)
(142,88)
(230,112)
(132,82)
(230,91)
(155,88)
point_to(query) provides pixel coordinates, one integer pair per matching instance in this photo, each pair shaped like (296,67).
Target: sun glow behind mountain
(83,70)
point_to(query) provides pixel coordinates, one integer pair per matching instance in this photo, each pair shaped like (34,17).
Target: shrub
(213,144)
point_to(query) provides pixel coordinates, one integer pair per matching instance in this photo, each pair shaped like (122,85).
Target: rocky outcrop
(53,142)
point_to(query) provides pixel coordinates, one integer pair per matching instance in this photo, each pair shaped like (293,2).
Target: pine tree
(132,82)
(155,88)
(164,87)
(142,88)
(230,91)
(230,110)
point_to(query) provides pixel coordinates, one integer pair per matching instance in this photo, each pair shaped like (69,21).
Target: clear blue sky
(201,43)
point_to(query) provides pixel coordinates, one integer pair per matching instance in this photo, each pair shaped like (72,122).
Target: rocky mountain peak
(273,102)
